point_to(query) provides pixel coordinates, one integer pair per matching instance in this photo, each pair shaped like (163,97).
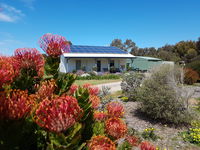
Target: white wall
(89,63)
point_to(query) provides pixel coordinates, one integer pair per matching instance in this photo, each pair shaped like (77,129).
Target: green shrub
(130,83)
(195,65)
(161,98)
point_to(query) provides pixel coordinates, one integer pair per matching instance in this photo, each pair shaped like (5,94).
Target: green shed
(143,63)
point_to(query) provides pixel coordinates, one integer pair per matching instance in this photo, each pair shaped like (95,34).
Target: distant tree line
(187,51)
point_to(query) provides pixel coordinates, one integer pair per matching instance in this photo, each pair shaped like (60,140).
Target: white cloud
(9,13)
(28,3)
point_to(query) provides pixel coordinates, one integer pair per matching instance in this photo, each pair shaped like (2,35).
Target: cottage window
(78,64)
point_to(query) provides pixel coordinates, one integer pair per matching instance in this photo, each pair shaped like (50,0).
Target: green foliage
(26,80)
(99,77)
(98,128)
(67,140)
(183,47)
(17,134)
(124,146)
(160,98)
(130,83)
(64,82)
(51,66)
(193,133)
(82,96)
(149,134)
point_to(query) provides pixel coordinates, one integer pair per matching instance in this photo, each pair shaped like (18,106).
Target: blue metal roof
(96,49)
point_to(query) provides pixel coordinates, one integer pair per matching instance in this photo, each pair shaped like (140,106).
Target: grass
(95,82)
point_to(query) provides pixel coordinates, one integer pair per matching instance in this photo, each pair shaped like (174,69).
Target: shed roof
(148,58)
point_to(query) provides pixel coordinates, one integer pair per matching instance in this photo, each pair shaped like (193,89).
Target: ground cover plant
(41,108)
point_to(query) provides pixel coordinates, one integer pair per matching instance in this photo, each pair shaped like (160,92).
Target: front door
(98,65)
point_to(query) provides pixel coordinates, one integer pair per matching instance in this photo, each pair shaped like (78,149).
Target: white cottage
(88,58)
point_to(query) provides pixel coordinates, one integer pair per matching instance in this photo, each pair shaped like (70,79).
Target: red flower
(115,127)
(92,90)
(87,85)
(147,146)
(132,140)
(100,116)
(73,88)
(101,143)
(54,45)
(58,114)
(30,58)
(17,105)
(46,89)
(6,71)
(95,101)
(115,109)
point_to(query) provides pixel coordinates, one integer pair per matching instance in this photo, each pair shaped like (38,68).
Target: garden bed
(170,137)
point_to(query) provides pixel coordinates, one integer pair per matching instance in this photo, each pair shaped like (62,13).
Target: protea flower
(100,116)
(54,45)
(101,143)
(46,89)
(73,88)
(132,140)
(30,58)
(115,127)
(95,101)
(115,109)
(58,114)
(6,71)
(16,105)
(92,89)
(147,146)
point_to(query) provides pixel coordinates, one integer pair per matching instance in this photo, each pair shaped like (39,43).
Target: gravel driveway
(114,86)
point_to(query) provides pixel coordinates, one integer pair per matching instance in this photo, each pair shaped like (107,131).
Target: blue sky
(97,22)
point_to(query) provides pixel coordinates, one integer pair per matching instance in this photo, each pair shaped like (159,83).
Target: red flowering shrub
(115,127)
(30,58)
(95,101)
(132,140)
(16,105)
(58,114)
(115,109)
(101,143)
(147,146)
(46,89)
(73,88)
(100,116)
(87,85)
(54,45)
(92,90)
(191,76)
(6,71)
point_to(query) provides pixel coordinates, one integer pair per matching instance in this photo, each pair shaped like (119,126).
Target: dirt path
(114,86)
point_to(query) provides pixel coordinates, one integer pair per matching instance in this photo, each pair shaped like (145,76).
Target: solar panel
(96,49)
